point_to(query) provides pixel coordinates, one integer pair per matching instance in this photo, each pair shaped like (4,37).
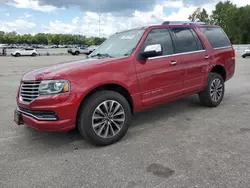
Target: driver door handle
(173,62)
(207,57)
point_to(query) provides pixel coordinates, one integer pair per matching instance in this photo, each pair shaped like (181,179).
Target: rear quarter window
(217,37)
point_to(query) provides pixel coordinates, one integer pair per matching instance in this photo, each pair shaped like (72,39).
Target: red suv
(131,71)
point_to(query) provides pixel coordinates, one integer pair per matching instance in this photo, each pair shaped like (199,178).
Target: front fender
(84,86)
(95,80)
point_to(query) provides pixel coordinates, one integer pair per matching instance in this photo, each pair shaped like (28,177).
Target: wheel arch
(219,69)
(111,87)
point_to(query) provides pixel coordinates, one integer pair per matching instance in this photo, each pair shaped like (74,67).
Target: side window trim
(174,38)
(177,54)
(174,43)
(224,47)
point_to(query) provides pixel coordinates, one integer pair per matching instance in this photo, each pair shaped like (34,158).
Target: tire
(18,54)
(85,120)
(34,54)
(243,56)
(206,98)
(77,53)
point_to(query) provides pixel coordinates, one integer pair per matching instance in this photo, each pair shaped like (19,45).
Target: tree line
(234,20)
(48,39)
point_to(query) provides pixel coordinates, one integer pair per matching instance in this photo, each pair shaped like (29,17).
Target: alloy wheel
(108,119)
(216,90)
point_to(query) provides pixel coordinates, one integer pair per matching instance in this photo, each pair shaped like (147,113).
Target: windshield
(119,45)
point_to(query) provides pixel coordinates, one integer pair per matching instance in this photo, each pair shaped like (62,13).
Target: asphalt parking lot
(180,144)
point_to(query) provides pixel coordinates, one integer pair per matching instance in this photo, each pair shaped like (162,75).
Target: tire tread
(205,94)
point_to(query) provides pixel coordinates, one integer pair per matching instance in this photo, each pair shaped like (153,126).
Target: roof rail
(184,23)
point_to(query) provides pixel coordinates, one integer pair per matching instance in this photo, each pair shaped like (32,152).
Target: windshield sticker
(127,37)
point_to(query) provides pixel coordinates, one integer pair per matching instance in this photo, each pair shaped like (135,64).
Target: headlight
(48,87)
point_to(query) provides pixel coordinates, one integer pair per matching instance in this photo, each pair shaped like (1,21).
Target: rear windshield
(217,37)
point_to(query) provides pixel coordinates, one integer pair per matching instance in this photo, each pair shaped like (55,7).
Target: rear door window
(185,40)
(217,37)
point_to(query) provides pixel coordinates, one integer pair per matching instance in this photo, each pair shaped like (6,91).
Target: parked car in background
(92,48)
(82,50)
(246,52)
(25,52)
(131,71)
(3,46)
(78,50)
(53,46)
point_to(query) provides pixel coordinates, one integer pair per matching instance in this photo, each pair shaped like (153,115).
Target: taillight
(233,54)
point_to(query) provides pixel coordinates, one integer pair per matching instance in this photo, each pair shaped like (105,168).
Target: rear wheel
(104,118)
(243,56)
(34,54)
(213,94)
(77,53)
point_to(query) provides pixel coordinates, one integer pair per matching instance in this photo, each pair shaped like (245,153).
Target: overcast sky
(82,16)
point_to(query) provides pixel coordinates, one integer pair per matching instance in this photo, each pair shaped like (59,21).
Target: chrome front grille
(29,90)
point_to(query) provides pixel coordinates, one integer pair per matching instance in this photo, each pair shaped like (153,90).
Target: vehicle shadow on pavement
(167,110)
(69,141)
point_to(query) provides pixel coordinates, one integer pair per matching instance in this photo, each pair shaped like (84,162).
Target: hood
(62,70)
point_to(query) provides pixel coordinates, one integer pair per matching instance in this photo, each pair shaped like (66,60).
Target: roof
(171,23)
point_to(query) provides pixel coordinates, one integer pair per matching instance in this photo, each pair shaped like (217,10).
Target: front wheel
(77,53)
(243,56)
(104,118)
(213,94)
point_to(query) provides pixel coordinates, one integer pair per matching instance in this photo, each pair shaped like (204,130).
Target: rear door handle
(207,57)
(173,62)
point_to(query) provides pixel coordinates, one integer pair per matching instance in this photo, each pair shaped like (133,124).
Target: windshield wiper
(101,55)
(129,52)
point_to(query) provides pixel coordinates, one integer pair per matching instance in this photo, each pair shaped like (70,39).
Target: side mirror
(152,51)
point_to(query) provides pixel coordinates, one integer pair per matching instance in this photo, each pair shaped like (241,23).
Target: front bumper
(57,126)
(39,115)
(49,113)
